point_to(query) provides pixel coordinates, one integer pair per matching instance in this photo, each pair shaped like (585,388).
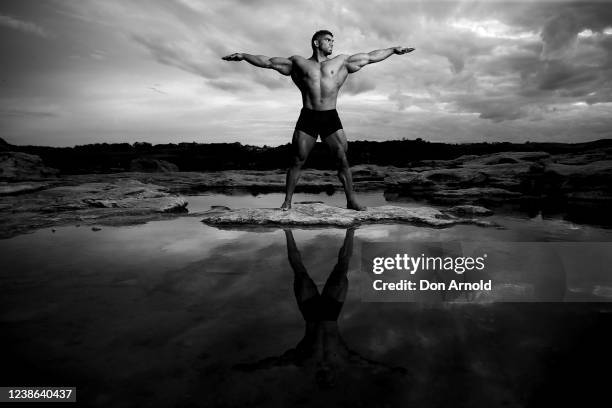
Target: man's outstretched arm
(282,65)
(355,62)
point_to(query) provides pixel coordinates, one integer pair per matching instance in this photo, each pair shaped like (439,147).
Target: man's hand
(402,50)
(237,56)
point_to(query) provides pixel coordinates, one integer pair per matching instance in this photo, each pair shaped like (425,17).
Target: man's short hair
(319,34)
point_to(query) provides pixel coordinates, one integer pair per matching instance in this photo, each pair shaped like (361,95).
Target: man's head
(322,40)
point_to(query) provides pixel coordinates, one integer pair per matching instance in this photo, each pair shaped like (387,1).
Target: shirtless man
(319,79)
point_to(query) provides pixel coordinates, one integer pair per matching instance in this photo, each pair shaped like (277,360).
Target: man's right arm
(355,62)
(282,65)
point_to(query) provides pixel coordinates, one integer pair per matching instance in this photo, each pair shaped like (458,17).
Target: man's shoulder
(342,58)
(297,58)
(337,61)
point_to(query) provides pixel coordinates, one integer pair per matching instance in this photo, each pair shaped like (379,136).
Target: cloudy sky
(86,71)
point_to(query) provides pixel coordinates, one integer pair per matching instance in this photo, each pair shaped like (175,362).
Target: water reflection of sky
(165,312)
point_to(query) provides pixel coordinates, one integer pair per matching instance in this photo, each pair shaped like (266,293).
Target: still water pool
(177,313)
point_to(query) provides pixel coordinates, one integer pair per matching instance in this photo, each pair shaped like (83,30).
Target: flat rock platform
(322,215)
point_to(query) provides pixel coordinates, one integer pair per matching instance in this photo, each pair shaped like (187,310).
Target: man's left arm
(355,62)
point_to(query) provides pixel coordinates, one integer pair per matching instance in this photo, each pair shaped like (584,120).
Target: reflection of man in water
(322,348)
(319,79)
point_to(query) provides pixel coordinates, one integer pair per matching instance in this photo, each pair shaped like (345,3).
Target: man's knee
(298,161)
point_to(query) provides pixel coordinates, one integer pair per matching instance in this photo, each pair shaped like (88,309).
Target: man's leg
(339,146)
(301,146)
(336,285)
(303,285)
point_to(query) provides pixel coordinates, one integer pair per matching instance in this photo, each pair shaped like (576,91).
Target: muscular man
(319,78)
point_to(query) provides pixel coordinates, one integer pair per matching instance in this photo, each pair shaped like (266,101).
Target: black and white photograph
(309,203)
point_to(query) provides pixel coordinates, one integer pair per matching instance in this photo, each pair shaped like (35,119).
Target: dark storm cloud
(561,24)
(587,72)
(560,75)
(595,15)
(523,63)
(560,36)
(496,109)
(563,64)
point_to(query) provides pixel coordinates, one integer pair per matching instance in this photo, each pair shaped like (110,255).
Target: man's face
(326,44)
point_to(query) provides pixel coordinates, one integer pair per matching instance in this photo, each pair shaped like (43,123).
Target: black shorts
(316,123)
(320,308)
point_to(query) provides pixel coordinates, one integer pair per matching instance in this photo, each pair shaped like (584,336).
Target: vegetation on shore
(116,157)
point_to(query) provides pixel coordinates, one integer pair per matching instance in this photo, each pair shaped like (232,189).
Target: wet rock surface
(468,179)
(579,185)
(21,187)
(509,176)
(470,210)
(23,166)
(113,202)
(149,165)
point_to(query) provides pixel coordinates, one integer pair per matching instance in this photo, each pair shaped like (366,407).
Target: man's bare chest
(325,71)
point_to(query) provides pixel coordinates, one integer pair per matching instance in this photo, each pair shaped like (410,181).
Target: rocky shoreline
(33,196)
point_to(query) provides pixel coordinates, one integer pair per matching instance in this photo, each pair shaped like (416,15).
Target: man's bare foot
(354,205)
(285,206)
